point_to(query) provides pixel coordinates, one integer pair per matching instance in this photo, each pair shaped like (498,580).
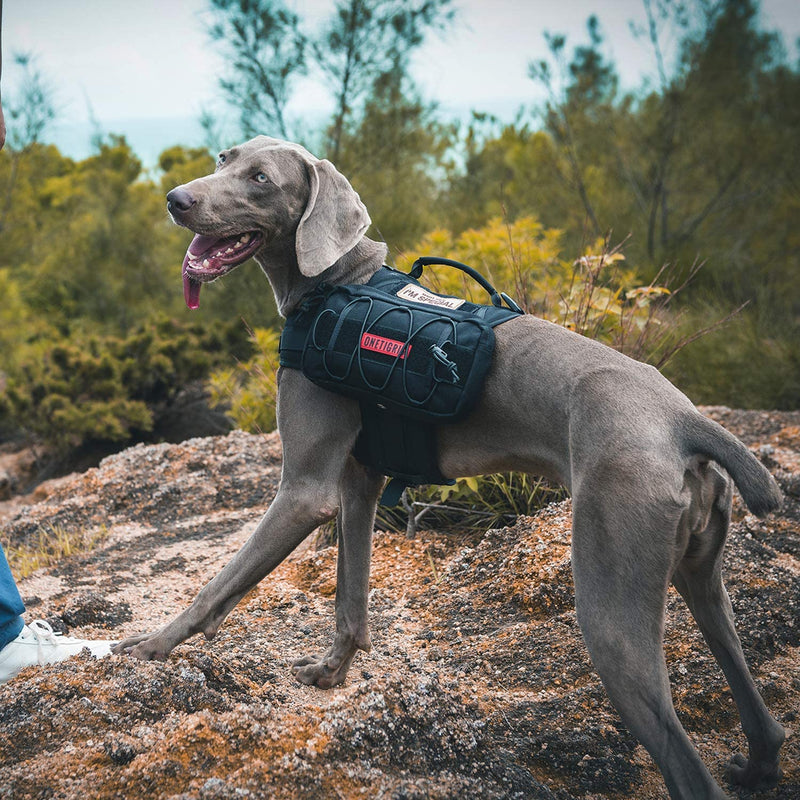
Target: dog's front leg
(292,516)
(318,431)
(360,490)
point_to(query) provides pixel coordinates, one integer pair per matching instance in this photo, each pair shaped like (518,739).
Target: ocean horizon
(148,138)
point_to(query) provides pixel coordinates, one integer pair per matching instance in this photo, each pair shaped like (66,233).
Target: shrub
(92,387)
(250,389)
(719,369)
(470,504)
(595,295)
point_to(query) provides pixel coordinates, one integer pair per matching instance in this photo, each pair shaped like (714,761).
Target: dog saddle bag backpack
(412,358)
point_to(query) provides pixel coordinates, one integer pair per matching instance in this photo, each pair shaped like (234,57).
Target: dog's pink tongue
(191,287)
(191,291)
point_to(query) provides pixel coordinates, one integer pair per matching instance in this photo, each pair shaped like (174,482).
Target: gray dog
(650,503)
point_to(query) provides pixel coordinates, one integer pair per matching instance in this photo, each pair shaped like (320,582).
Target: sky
(146,68)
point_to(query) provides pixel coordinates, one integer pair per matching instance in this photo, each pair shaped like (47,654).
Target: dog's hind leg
(699,580)
(360,490)
(622,561)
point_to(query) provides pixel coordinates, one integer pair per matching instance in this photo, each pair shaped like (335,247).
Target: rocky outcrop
(478,684)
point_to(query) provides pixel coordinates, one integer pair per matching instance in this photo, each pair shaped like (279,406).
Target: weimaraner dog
(651,504)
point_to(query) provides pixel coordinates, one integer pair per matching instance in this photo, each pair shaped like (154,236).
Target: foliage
(696,166)
(365,42)
(91,241)
(90,388)
(34,109)
(249,390)
(393,158)
(87,240)
(89,260)
(180,165)
(266,53)
(361,44)
(521,258)
(470,504)
(701,165)
(594,295)
(758,357)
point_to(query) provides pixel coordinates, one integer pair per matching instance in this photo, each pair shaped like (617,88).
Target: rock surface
(478,684)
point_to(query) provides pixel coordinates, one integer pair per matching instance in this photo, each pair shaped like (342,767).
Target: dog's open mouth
(210,257)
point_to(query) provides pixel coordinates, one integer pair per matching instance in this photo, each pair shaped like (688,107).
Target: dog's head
(263,191)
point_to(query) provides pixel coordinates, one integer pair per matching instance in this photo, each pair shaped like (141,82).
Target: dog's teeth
(205,263)
(245,238)
(238,245)
(229,250)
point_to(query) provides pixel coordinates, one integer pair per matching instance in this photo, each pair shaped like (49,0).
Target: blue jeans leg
(11,607)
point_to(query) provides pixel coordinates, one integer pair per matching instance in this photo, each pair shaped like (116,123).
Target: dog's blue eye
(261,177)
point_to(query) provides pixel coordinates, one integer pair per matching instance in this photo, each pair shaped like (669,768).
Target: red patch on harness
(381,344)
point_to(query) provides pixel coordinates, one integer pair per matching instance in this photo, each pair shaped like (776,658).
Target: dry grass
(50,545)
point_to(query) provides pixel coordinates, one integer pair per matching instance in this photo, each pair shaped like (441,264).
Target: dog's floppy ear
(333,223)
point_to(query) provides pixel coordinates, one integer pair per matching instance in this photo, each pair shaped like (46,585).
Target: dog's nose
(179,200)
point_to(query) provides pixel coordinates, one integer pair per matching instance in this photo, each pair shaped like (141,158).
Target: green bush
(249,390)
(470,504)
(751,362)
(596,295)
(100,388)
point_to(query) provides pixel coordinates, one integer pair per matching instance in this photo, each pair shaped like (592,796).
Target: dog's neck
(279,262)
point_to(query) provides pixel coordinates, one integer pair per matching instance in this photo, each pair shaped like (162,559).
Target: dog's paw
(320,671)
(145,647)
(753,775)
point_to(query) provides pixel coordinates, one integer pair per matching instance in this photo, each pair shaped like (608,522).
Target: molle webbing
(413,359)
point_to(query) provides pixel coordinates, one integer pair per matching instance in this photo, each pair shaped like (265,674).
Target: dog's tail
(756,485)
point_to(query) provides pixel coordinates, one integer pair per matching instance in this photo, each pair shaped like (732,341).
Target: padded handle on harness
(495,296)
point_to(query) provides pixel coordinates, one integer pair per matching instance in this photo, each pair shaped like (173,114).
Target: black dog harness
(413,359)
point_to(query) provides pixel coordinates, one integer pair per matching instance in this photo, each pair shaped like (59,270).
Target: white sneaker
(39,644)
